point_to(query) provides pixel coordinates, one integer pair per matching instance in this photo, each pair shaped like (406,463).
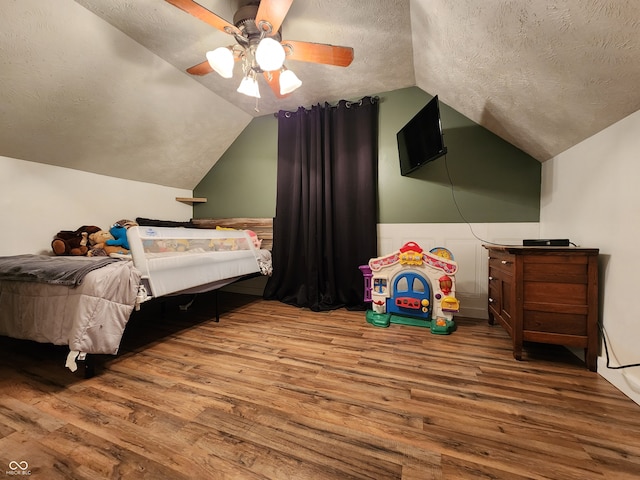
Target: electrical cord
(455,202)
(606,351)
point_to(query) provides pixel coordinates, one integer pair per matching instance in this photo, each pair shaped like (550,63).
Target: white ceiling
(101,85)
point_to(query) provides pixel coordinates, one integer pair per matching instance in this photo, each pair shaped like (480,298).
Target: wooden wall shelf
(191,201)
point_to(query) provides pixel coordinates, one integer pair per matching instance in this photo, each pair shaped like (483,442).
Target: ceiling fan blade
(318,53)
(273,79)
(272,12)
(200,69)
(198,11)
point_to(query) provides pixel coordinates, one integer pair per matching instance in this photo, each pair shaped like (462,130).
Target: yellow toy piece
(450,304)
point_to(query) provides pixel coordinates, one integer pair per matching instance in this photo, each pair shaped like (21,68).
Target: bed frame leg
(87,367)
(217,306)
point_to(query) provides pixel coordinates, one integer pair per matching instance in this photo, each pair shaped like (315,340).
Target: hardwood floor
(277,392)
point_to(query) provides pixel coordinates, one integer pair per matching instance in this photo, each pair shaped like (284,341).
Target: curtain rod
(348,103)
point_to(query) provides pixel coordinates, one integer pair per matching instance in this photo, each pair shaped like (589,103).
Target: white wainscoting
(465,243)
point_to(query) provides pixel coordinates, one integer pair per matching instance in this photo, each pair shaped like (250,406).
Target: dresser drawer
(557,323)
(500,262)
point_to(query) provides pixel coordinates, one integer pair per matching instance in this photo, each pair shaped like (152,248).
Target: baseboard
(471,312)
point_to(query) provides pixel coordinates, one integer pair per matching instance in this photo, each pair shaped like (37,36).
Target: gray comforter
(63,270)
(89,317)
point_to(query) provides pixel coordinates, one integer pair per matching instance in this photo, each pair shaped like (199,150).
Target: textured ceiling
(101,85)
(544,75)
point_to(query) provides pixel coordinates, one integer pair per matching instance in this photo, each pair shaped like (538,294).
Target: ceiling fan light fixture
(289,81)
(222,61)
(257,31)
(249,86)
(270,54)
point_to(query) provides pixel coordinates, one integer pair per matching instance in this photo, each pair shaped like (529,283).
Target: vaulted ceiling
(101,86)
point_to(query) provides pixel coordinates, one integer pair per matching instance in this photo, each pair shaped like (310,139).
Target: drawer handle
(490,300)
(490,278)
(504,262)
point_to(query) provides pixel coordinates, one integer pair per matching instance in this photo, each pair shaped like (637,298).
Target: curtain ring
(359,103)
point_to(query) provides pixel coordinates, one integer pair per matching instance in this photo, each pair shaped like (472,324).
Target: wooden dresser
(546,295)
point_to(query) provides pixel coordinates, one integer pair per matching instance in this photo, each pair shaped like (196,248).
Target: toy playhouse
(412,287)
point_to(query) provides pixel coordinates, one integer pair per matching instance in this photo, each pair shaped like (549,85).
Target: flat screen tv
(421,141)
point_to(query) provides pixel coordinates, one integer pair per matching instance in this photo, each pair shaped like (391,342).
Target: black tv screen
(421,141)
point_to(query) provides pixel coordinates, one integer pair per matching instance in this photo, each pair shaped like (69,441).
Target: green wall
(243,182)
(493,181)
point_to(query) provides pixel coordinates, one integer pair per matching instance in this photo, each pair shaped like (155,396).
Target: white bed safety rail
(176,260)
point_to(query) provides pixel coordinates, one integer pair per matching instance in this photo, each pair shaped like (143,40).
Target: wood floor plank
(278,392)
(94,457)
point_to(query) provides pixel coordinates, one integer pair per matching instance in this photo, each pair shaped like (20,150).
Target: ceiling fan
(259,46)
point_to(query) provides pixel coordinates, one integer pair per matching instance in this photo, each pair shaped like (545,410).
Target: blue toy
(119,236)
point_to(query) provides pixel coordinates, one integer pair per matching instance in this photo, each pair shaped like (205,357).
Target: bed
(86,302)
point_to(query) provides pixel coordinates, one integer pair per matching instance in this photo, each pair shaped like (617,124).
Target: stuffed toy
(119,233)
(67,242)
(99,247)
(127,223)
(98,238)
(257,242)
(253,235)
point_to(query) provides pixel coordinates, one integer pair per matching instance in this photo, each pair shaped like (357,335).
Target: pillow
(149,222)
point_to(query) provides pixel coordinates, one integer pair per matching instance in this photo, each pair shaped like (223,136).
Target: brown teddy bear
(99,247)
(76,242)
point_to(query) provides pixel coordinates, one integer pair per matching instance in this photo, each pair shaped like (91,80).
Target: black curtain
(326,209)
